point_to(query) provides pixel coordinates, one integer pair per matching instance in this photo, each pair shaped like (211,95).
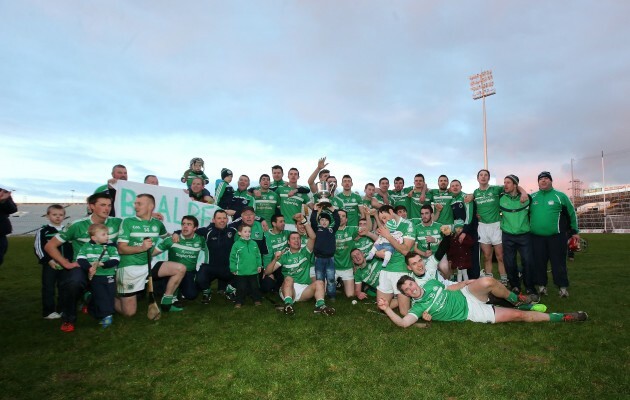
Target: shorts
(387,282)
(131,279)
(478,311)
(490,233)
(298,288)
(345,274)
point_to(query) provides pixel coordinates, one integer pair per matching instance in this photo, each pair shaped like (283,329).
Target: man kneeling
(296,265)
(465,301)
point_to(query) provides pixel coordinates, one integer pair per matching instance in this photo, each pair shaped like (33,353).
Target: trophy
(325,190)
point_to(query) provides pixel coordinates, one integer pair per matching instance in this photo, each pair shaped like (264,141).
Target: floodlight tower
(482,86)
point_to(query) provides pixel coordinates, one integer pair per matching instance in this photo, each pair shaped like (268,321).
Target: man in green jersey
(552,219)
(396,267)
(442,199)
(277,241)
(398,196)
(73,281)
(348,201)
(291,201)
(266,200)
(427,233)
(516,235)
(487,209)
(345,242)
(416,198)
(466,301)
(296,264)
(136,239)
(382,192)
(185,253)
(366,274)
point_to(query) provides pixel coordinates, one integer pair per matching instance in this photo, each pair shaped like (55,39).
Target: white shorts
(489,233)
(131,279)
(478,311)
(299,289)
(345,274)
(387,281)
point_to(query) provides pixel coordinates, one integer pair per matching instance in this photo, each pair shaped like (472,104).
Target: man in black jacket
(7,207)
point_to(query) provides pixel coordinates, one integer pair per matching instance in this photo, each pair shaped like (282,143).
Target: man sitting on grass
(465,301)
(296,265)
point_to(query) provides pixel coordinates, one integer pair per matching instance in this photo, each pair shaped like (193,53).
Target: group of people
(405,247)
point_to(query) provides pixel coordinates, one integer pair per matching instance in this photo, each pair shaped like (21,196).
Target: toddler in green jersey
(195,171)
(99,259)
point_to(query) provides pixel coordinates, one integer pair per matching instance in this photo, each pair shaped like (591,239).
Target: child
(51,271)
(99,259)
(325,246)
(224,193)
(460,253)
(383,244)
(195,171)
(245,264)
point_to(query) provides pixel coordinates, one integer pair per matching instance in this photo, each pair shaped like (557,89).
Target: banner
(171,203)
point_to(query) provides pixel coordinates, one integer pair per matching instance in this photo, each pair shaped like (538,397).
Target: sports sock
(288,300)
(167,300)
(556,317)
(512,298)
(206,292)
(229,289)
(320,303)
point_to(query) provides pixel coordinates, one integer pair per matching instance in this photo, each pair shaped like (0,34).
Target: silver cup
(325,190)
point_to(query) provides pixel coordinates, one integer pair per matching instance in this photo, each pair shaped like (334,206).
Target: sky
(380,88)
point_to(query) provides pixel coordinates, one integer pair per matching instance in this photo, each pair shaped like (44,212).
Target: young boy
(99,258)
(51,271)
(223,192)
(245,264)
(325,246)
(195,171)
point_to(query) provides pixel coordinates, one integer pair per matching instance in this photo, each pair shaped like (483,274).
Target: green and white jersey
(189,175)
(266,204)
(219,191)
(297,265)
(77,232)
(276,184)
(380,198)
(414,205)
(344,239)
(187,251)
(430,272)
(275,242)
(445,198)
(405,227)
(289,206)
(246,198)
(364,244)
(369,273)
(91,252)
(133,230)
(487,202)
(442,304)
(399,198)
(422,231)
(349,203)
(258,233)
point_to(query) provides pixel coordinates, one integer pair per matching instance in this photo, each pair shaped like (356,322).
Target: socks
(230,289)
(288,300)
(512,298)
(320,303)
(556,317)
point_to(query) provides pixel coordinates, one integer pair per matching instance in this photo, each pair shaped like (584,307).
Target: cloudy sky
(381,88)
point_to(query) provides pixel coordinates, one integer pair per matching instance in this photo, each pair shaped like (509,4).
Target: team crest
(550,202)
(154,228)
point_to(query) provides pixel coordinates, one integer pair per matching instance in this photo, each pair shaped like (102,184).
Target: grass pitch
(216,352)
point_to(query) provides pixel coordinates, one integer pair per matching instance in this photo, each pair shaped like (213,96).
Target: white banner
(172,203)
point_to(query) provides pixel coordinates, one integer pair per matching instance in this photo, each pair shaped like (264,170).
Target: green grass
(217,352)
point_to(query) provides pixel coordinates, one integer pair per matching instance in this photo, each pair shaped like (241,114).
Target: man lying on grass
(466,301)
